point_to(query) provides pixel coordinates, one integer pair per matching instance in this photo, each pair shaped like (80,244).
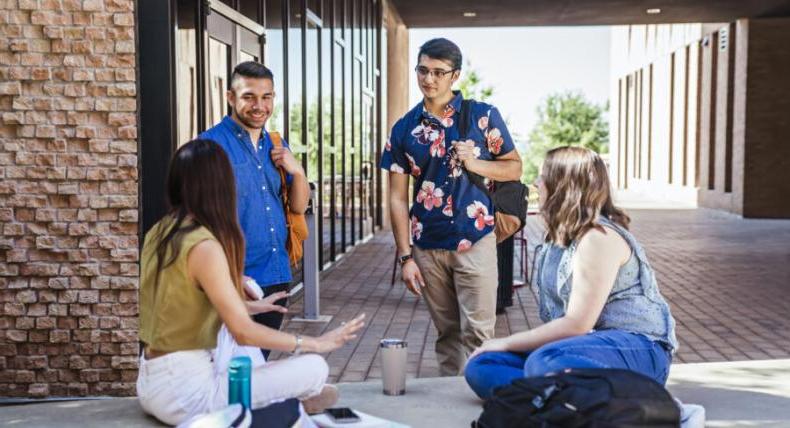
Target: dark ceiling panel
(450,13)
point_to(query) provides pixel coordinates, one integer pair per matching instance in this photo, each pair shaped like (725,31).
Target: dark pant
(504,291)
(272,319)
(600,349)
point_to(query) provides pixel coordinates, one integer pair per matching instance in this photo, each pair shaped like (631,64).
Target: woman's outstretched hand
(267,304)
(338,337)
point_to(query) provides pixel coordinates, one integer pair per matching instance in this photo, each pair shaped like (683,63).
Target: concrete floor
(735,394)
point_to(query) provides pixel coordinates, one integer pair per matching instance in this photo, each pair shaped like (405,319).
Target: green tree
(471,85)
(296,130)
(565,119)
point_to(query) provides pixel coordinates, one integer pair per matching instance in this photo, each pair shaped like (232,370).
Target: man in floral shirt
(453,263)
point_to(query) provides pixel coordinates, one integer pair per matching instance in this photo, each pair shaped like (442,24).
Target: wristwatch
(298,348)
(405,258)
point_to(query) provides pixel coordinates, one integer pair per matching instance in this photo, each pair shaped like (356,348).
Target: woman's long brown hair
(201,191)
(578,192)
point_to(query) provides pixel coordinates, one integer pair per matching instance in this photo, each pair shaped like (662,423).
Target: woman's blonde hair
(578,191)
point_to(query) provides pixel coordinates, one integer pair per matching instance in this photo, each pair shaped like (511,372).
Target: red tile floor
(727,280)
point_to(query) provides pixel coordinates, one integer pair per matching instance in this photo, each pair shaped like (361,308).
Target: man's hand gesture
(411,275)
(283,158)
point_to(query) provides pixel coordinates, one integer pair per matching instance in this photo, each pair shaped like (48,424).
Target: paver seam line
(360,336)
(408,327)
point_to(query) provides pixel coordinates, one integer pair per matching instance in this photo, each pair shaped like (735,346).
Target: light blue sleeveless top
(634,305)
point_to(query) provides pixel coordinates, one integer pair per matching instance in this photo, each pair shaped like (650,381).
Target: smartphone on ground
(342,415)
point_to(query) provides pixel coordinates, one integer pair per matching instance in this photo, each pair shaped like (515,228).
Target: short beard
(243,120)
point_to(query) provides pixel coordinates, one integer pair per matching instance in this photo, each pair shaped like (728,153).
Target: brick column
(68,198)
(397,87)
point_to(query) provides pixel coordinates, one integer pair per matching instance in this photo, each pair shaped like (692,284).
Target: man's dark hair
(442,49)
(251,69)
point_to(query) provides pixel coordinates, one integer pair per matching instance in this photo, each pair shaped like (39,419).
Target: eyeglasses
(436,74)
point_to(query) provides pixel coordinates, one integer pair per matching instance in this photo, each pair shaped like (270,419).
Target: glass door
(232,38)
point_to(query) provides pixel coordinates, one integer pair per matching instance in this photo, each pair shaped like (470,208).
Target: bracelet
(405,258)
(298,348)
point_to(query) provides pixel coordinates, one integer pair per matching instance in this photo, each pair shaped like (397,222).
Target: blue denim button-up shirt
(449,211)
(259,202)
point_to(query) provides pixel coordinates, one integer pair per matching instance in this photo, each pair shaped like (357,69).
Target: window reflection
(315,7)
(218,59)
(186,73)
(330,122)
(311,91)
(273,58)
(356,14)
(367,166)
(339,117)
(356,153)
(339,18)
(295,108)
(328,156)
(312,128)
(249,45)
(244,56)
(250,8)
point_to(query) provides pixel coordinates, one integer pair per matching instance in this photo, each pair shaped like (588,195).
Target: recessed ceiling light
(653,11)
(470,14)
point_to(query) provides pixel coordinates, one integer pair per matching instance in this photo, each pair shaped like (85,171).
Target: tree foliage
(565,119)
(471,85)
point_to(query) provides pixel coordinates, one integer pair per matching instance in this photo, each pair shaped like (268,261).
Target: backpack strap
(277,141)
(466,111)
(463,129)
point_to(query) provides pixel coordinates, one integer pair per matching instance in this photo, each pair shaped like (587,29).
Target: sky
(526,64)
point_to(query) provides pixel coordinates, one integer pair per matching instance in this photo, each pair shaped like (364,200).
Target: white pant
(180,385)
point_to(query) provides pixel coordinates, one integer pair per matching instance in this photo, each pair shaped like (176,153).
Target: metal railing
(310,267)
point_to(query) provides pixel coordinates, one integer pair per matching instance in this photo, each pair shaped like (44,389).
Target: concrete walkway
(735,394)
(742,394)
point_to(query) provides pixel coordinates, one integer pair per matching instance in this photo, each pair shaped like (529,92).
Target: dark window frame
(353,61)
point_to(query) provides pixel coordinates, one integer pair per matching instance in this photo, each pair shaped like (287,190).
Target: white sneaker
(691,415)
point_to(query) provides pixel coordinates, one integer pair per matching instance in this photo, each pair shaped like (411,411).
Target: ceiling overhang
(468,13)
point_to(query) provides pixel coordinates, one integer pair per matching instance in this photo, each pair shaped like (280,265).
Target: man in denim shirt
(453,263)
(258,187)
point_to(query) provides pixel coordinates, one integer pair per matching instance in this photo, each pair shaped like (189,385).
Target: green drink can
(239,374)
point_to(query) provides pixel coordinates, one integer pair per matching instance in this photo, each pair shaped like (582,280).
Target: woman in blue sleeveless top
(598,294)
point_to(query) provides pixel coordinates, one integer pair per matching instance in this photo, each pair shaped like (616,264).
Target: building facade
(96,95)
(68,197)
(699,114)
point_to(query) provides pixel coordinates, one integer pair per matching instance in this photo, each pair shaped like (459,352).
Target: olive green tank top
(175,314)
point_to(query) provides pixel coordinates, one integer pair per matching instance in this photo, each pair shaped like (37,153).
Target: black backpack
(283,414)
(508,197)
(576,398)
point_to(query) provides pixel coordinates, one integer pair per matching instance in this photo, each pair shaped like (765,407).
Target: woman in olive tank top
(190,284)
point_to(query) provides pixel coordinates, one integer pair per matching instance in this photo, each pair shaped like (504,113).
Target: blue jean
(599,349)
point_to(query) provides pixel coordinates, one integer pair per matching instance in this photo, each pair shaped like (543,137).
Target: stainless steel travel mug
(393,366)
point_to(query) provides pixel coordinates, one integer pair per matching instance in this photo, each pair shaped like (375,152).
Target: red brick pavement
(727,280)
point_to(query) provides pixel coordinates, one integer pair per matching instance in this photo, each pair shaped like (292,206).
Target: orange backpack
(295,222)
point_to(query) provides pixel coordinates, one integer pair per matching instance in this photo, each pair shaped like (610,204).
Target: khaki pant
(460,290)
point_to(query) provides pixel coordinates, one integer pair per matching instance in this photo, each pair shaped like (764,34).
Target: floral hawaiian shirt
(449,211)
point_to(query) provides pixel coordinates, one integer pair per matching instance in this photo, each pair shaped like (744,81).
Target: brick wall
(767,157)
(68,198)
